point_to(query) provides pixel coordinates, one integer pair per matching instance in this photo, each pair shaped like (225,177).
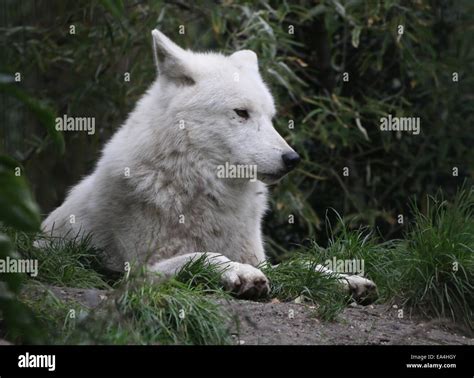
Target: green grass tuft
(62,262)
(378,258)
(173,313)
(297,277)
(438,272)
(57,317)
(200,273)
(431,271)
(139,312)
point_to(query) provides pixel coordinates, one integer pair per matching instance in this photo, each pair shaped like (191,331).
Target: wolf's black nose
(291,160)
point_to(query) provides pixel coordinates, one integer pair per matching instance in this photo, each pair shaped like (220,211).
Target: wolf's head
(224,107)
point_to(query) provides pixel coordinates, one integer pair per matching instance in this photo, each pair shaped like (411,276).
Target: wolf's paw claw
(245,281)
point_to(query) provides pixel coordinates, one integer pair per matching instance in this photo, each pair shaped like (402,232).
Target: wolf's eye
(242,113)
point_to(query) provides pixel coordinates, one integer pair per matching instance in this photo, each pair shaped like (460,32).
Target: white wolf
(154,197)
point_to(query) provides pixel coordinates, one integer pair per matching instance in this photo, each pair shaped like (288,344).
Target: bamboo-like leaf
(45,114)
(17,208)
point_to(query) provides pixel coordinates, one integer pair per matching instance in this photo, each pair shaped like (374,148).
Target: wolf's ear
(245,58)
(170,59)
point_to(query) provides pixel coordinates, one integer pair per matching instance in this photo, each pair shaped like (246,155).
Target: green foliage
(174,314)
(298,278)
(139,313)
(17,207)
(431,271)
(18,210)
(378,258)
(44,114)
(439,276)
(53,316)
(65,262)
(200,273)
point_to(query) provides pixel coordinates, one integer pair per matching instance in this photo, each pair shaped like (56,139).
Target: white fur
(172,171)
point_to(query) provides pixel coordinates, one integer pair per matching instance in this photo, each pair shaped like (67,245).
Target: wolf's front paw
(245,281)
(364,291)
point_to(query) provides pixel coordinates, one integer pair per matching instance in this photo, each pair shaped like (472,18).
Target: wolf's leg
(243,280)
(364,291)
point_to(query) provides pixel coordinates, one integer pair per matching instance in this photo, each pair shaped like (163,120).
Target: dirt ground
(277,323)
(292,323)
